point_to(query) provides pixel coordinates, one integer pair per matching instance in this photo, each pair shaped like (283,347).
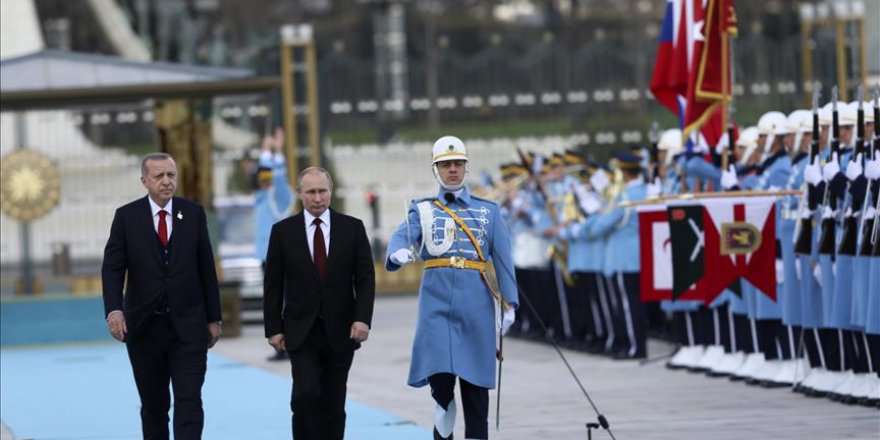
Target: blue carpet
(88,392)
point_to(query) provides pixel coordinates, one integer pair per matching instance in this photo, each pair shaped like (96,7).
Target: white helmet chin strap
(446,186)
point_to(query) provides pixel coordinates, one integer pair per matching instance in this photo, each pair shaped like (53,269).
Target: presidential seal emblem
(739,238)
(30,185)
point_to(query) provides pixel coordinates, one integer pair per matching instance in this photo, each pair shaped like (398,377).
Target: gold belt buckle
(457,262)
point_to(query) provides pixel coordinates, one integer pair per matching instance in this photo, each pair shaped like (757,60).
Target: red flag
(740,238)
(709,82)
(670,75)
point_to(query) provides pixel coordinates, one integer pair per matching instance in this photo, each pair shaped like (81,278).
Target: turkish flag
(709,84)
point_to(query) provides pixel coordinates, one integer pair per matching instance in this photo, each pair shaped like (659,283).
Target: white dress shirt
(155,209)
(310,231)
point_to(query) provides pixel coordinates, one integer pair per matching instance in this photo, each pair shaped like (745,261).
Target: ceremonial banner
(655,256)
(686,232)
(740,240)
(709,82)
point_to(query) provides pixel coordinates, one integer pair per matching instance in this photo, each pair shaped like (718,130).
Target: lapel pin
(179,215)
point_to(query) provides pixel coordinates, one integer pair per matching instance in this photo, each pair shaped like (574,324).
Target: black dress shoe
(437,435)
(774,384)
(869,402)
(279,356)
(624,355)
(752,381)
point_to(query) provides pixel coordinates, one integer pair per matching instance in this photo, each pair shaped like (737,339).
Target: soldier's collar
(462,195)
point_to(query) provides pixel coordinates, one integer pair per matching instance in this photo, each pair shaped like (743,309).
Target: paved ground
(540,400)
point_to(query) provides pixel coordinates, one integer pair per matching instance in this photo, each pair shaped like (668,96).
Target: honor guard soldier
(457,235)
(618,226)
(584,260)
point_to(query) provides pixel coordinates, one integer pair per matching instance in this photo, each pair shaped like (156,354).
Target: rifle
(856,188)
(870,225)
(803,243)
(829,226)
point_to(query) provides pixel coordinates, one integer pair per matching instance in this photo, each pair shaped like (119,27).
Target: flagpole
(725,79)
(709,195)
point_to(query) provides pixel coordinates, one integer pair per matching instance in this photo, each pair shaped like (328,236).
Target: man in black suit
(318,303)
(170,313)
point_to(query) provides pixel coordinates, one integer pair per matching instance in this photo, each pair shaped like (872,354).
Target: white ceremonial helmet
(448,148)
(748,138)
(670,140)
(825,114)
(868,106)
(847,114)
(800,121)
(771,124)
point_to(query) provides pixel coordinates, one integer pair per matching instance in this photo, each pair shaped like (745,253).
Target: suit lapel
(152,235)
(177,222)
(335,241)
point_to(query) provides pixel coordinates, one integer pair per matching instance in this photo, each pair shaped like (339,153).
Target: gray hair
(312,170)
(153,156)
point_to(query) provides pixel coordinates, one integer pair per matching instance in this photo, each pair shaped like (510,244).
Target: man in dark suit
(170,313)
(318,303)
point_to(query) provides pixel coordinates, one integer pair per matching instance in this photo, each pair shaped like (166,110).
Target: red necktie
(163,228)
(319,251)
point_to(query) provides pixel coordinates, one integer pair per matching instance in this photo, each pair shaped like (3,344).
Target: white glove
(507,320)
(831,168)
(797,270)
(580,191)
(590,203)
(654,189)
(872,169)
(870,212)
(817,274)
(599,180)
(827,212)
(813,173)
(728,178)
(854,168)
(402,257)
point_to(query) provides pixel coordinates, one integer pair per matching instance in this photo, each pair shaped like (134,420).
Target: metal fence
(98,148)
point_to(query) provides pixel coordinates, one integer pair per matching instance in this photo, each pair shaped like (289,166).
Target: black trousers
(319,386)
(159,358)
(474,399)
(629,317)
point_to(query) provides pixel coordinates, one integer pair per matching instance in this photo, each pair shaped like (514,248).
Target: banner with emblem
(695,250)
(740,240)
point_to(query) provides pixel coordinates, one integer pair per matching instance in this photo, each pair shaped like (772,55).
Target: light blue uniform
(697,168)
(837,273)
(455,332)
(621,227)
(861,283)
(792,307)
(776,174)
(811,291)
(272,204)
